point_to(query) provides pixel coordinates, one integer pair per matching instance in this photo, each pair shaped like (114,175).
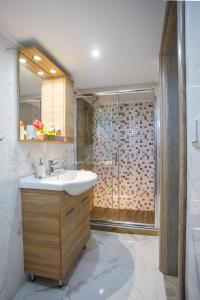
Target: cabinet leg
(84,247)
(60,283)
(32,277)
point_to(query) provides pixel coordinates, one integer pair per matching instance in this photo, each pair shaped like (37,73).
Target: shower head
(89,97)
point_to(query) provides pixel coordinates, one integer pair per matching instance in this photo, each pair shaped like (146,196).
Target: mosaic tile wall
(102,155)
(124,155)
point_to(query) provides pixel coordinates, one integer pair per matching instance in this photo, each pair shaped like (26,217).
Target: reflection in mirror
(39,117)
(30,96)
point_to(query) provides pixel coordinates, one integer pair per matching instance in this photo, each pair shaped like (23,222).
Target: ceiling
(127,34)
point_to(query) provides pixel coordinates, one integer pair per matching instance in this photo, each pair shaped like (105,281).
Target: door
(105,158)
(136,157)
(124,152)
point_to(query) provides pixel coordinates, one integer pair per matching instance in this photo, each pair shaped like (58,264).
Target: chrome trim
(60,283)
(123,224)
(75,133)
(118,92)
(157,161)
(181,24)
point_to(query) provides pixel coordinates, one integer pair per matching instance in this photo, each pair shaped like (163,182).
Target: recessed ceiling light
(22,60)
(53,71)
(36,57)
(40,73)
(101,291)
(95,53)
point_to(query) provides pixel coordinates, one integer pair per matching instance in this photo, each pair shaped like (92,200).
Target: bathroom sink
(73,182)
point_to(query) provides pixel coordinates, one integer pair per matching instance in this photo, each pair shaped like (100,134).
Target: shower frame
(127,224)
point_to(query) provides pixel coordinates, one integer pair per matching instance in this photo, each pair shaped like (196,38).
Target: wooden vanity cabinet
(56,227)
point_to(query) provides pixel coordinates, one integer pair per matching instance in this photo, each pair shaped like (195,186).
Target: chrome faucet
(52,163)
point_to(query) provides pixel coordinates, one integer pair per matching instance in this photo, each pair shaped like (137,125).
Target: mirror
(30,96)
(42,98)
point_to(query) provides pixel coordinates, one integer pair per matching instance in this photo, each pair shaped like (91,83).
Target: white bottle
(41,172)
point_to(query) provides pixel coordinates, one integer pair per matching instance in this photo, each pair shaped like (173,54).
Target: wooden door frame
(175,12)
(169,143)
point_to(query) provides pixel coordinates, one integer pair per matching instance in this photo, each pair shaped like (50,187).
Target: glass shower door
(136,163)
(105,159)
(124,158)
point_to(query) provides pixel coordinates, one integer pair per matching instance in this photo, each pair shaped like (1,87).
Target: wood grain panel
(68,224)
(40,213)
(91,196)
(70,109)
(114,214)
(75,230)
(170,169)
(51,241)
(40,219)
(46,272)
(31,66)
(169,145)
(83,210)
(45,63)
(42,256)
(84,231)
(59,104)
(69,257)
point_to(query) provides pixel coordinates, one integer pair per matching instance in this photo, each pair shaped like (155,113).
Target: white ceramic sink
(74,182)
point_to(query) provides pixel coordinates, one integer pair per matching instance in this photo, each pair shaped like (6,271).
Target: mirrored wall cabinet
(46,99)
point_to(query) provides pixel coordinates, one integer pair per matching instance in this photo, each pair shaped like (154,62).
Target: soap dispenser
(41,172)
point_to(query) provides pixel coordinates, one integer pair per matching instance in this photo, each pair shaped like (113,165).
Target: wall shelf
(46,141)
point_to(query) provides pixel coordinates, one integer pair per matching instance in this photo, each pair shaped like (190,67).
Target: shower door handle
(116,158)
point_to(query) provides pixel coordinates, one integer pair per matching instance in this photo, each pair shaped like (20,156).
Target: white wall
(193,112)
(16,159)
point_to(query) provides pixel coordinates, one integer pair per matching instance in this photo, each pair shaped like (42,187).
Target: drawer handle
(84,199)
(70,211)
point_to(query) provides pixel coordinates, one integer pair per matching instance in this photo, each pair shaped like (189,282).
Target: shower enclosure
(118,142)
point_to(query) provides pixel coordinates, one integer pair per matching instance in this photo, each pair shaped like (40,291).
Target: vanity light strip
(36,58)
(42,62)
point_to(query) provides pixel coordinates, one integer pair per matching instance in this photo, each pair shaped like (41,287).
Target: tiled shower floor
(114,266)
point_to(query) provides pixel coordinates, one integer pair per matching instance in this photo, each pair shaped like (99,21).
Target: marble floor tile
(127,250)
(114,266)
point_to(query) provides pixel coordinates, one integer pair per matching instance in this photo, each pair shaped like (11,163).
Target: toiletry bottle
(41,172)
(21,131)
